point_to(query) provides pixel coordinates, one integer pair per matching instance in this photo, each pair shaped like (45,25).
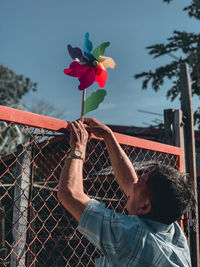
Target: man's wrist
(109,134)
(76,154)
(80,147)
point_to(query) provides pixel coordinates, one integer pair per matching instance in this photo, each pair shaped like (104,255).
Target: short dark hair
(171,193)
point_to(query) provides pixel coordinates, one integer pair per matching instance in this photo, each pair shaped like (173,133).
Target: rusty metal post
(30,259)
(20,208)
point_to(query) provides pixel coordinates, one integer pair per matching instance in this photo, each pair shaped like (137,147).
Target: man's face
(140,196)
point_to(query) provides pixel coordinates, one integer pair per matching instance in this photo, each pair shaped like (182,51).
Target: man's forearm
(123,168)
(70,188)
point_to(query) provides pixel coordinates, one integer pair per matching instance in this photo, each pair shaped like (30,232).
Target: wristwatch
(76,154)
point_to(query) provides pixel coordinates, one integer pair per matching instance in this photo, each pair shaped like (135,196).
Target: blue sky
(35,35)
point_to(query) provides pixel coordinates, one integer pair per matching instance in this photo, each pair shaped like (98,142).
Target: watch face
(78,153)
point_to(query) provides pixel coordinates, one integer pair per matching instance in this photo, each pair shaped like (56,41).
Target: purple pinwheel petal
(76,53)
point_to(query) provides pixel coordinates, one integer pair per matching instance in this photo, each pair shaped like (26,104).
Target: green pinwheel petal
(93,101)
(99,51)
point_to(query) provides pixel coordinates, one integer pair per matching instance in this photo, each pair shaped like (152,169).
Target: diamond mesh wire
(35,230)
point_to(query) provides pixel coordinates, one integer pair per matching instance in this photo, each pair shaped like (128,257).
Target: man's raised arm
(70,187)
(122,166)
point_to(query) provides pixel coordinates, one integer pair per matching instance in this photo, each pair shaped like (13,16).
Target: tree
(45,108)
(12,88)
(188,44)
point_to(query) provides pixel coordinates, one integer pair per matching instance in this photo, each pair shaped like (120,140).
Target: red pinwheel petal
(76,70)
(87,78)
(87,75)
(101,76)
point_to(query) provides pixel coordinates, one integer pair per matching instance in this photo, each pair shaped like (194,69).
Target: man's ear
(145,208)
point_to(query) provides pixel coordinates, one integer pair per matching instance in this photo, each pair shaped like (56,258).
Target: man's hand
(96,127)
(78,136)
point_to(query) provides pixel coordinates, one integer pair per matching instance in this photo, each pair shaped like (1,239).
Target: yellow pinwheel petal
(107,62)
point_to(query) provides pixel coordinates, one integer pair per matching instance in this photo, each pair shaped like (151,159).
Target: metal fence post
(20,207)
(30,259)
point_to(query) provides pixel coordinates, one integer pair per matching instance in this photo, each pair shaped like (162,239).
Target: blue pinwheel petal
(87,47)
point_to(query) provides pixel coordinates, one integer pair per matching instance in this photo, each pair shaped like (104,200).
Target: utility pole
(190,157)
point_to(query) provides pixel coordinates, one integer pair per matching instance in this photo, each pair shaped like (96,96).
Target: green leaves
(181,47)
(93,101)
(193,9)
(99,51)
(13,87)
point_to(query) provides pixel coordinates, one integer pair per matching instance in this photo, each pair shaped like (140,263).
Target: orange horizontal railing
(31,119)
(45,122)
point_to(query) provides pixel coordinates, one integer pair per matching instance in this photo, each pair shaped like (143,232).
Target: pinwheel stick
(82,105)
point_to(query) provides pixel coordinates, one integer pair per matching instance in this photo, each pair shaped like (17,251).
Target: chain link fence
(35,230)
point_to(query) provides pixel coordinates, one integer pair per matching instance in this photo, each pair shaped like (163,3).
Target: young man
(150,235)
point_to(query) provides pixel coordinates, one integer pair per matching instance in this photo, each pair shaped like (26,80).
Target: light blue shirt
(132,241)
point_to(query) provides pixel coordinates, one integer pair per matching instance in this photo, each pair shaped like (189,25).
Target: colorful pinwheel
(89,67)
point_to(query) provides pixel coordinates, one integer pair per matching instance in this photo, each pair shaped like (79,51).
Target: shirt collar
(157,226)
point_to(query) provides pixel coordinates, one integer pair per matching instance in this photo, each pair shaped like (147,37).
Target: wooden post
(190,156)
(174,135)
(20,208)
(82,104)
(174,129)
